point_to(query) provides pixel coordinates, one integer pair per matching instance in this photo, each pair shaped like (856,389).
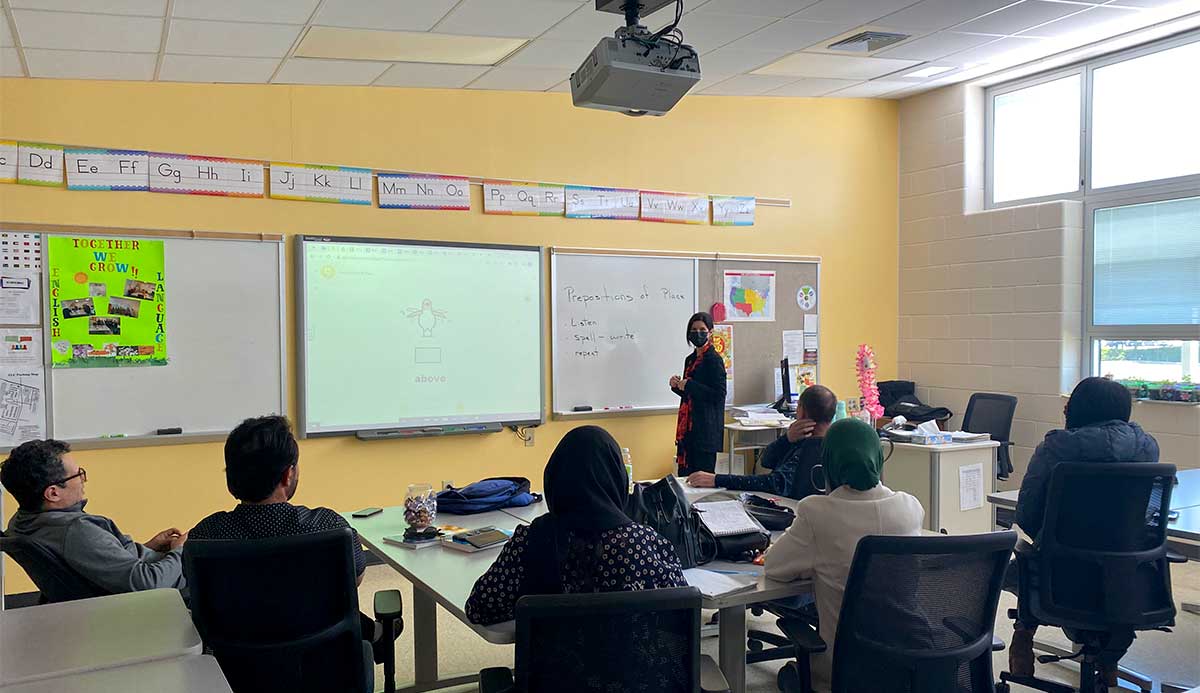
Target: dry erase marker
(113,435)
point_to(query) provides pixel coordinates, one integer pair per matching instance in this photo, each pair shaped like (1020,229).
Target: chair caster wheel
(788,679)
(754,645)
(1002,687)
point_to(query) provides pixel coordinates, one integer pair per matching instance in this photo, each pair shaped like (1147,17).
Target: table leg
(425,654)
(732,435)
(732,643)
(1191,608)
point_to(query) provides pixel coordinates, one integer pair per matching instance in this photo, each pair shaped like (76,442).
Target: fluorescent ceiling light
(929,71)
(834,66)
(405,46)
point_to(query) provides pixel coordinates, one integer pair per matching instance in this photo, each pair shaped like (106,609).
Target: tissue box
(940,438)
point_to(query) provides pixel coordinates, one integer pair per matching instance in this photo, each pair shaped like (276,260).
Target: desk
(194,674)
(732,432)
(54,640)
(930,473)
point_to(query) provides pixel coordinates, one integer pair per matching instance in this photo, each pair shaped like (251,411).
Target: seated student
(49,487)
(821,541)
(1098,430)
(262,471)
(790,458)
(585,543)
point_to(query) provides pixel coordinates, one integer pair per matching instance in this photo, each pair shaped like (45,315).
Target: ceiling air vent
(867,41)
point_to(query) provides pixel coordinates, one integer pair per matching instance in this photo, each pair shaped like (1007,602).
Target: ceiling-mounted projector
(637,71)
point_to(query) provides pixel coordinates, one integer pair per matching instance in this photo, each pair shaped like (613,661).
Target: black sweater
(706,391)
(791,470)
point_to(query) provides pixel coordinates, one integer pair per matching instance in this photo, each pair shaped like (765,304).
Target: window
(1171,362)
(1038,123)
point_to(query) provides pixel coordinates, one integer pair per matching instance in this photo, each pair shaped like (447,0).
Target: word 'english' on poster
(206,175)
(311,183)
(733,211)
(107,169)
(108,302)
(588,202)
(675,208)
(523,199)
(424,191)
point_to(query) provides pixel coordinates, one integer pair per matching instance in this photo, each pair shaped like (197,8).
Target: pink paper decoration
(865,364)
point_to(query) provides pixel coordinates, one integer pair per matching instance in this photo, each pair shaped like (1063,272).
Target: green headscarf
(851,454)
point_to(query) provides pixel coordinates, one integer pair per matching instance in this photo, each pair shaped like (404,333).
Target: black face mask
(698,339)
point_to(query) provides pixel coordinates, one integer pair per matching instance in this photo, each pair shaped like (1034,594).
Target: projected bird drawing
(427,317)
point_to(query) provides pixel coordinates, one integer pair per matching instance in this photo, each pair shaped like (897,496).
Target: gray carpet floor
(1172,657)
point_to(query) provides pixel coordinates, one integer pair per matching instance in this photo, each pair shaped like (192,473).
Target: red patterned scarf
(684,423)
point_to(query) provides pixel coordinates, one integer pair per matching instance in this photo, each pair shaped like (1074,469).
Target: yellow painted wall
(835,159)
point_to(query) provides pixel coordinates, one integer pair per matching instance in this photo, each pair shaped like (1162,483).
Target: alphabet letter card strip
(40,164)
(349,186)
(205,175)
(424,191)
(733,211)
(107,169)
(523,199)
(587,202)
(676,208)
(8,161)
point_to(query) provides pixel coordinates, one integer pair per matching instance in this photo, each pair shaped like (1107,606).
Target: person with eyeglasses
(700,426)
(49,488)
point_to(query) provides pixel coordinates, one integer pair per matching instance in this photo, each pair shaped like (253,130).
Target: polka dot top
(631,557)
(270,521)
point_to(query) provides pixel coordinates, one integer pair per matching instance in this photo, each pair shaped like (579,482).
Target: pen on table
(733,572)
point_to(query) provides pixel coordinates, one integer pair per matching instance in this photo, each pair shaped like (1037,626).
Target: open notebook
(712,584)
(726,518)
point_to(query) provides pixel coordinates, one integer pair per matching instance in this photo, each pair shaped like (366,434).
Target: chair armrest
(802,635)
(997,644)
(1173,557)
(495,680)
(389,605)
(712,679)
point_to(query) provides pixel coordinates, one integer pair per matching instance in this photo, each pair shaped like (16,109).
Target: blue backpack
(485,495)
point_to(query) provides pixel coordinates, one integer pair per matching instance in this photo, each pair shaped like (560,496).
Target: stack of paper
(965,437)
(713,584)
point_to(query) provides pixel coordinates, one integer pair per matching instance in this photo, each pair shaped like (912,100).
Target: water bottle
(841,411)
(628,459)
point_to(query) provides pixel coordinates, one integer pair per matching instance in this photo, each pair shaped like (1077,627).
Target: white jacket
(820,544)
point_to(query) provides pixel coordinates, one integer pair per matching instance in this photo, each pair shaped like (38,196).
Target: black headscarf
(586,488)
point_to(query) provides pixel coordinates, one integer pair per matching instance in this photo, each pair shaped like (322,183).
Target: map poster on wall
(108,302)
(722,341)
(749,295)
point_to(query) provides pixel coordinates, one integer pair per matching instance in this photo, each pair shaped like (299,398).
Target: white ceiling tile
(865,90)
(760,8)
(1094,23)
(856,12)
(1023,15)
(383,14)
(1005,51)
(730,61)
(10,63)
(705,31)
(1154,3)
(812,86)
(940,14)
(936,45)
(835,66)
(430,76)
(316,71)
(586,23)
(88,32)
(208,68)
(240,39)
(518,79)
(281,11)
(6,38)
(516,18)
(564,55)
(89,64)
(746,85)
(789,35)
(146,8)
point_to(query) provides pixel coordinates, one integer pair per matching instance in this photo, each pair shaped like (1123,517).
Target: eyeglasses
(82,474)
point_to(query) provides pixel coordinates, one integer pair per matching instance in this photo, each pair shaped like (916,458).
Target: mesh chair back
(990,413)
(1102,554)
(280,614)
(619,642)
(920,610)
(57,581)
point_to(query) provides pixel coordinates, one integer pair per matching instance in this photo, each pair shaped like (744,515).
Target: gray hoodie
(1110,441)
(97,550)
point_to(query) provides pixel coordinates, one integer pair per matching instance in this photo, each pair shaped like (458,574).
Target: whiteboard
(225,350)
(619,325)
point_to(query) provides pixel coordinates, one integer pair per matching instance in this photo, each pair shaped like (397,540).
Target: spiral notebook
(726,518)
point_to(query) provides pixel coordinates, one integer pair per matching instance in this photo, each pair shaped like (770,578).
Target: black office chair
(993,414)
(281,614)
(634,642)
(920,610)
(56,581)
(1100,569)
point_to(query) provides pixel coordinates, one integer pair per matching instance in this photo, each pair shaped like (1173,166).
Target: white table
(931,474)
(732,432)
(54,640)
(193,674)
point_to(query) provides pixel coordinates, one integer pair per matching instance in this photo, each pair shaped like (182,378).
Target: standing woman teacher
(699,431)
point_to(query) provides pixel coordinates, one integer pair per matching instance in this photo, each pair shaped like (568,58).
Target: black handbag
(771,515)
(663,507)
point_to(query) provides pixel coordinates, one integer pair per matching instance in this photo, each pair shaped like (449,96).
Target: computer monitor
(784,403)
